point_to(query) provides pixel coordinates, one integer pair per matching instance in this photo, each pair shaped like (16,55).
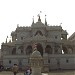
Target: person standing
(27,72)
(15,69)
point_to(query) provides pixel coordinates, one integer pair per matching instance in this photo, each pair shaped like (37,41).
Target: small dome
(36,54)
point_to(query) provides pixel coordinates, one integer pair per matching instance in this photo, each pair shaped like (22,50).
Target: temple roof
(38,24)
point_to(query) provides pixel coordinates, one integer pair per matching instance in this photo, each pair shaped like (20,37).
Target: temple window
(56,37)
(14,51)
(48,49)
(28,61)
(21,38)
(9,61)
(40,48)
(48,60)
(67,61)
(29,50)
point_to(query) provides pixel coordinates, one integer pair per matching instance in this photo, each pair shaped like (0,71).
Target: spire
(10,40)
(17,25)
(45,21)
(6,40)
(60,24)
(7,36)
(33,20)
(39,18)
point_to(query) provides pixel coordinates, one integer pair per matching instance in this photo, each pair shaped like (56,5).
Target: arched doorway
(21,49)
(39,48)
(48,49)
(65,50)
(29,50)
(14,50)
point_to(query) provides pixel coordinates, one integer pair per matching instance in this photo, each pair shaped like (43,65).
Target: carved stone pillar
(44,46)
(24,49)
(61,48)
(53,50)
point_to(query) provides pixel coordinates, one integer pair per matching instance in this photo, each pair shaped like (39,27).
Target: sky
(13,12)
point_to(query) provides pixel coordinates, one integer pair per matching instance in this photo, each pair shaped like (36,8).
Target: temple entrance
(39,48)
(14,50)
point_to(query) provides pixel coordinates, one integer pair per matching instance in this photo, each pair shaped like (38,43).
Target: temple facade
(57,51)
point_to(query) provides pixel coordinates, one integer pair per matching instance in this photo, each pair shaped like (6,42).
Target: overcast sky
(13,12)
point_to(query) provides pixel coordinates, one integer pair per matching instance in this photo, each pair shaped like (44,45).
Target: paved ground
(9,73)
(51,73)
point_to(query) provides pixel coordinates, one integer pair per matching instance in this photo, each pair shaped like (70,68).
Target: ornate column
(44,46)
(17,49)
(61,48)
(24,49)
(53,50)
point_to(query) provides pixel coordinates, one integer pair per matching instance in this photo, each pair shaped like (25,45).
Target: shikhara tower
(52,43)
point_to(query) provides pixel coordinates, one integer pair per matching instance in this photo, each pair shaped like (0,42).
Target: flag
(60,23)
(40,11)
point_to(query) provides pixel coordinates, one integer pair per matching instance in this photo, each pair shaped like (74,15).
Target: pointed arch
(40,48)
(39,32)
(65,50)
(57,49)
(21,49)
(14,50)
(48,49)
(29,50)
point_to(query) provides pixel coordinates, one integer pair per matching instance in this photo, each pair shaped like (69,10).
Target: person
(15,69)
(27,71)
(1,67)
